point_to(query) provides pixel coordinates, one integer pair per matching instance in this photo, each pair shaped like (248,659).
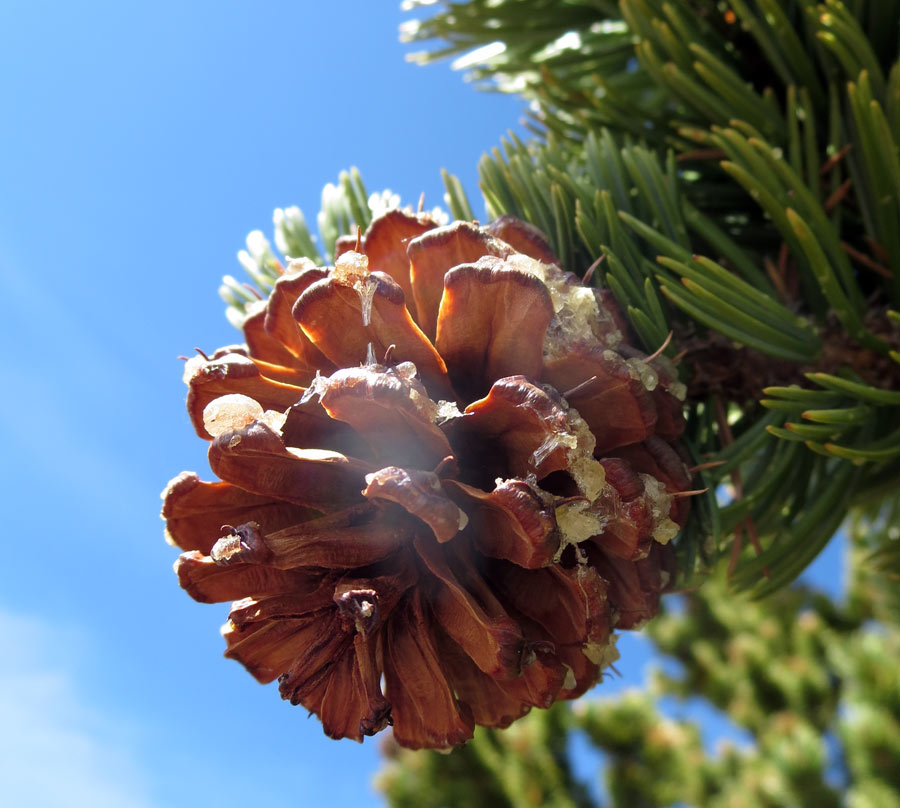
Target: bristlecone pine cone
(444,473)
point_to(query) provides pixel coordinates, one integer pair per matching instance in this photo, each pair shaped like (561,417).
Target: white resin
(234,411)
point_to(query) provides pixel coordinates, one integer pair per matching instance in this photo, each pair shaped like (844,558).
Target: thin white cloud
(56,749)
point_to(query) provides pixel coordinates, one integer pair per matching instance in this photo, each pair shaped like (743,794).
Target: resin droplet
(235,411)
(602,655)
(445,411)
(641,371)
(405,370)
(352,269)
(317,386)
(659,502)
(578,522)
(366,292)
(579,317)
(230,412)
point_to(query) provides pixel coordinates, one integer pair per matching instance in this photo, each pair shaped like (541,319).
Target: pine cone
(444,470)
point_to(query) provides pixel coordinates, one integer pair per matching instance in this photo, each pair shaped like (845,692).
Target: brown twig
(700,154)
(838,196)
(776,278)
(748,525)
(880,252)
(864,259)
(835,158)
(736,547)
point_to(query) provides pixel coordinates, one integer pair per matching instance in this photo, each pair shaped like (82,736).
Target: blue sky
(140,142)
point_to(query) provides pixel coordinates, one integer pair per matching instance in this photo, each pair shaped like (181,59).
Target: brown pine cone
(446,478)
